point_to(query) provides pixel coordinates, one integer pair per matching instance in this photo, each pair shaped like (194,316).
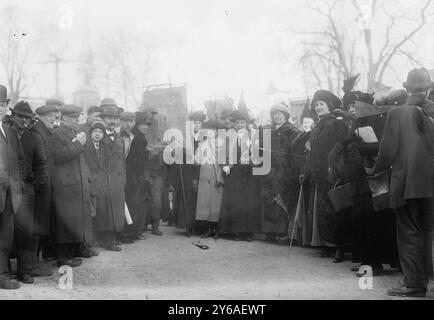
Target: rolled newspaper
(128,216)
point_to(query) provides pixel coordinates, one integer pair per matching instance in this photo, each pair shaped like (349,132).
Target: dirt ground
(170,267)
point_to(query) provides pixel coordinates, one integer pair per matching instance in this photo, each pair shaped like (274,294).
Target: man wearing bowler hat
(407,149)
(26,239)
(12,172)
(112,222)
(71,192)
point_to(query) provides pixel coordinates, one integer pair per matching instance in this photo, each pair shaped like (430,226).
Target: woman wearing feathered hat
(329,130)
(278,197)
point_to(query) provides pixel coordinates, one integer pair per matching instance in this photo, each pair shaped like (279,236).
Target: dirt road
(170,267)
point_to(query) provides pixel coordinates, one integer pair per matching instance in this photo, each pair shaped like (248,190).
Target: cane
(295,218)
(183,200)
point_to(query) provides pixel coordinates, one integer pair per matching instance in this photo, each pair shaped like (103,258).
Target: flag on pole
(280,202)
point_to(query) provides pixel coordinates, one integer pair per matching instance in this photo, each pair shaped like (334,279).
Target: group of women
(336,146)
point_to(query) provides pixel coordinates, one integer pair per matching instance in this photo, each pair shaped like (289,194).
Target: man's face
(127,125)
(3,109)
(21,123)
(50,120)
(72,121)
(111,122)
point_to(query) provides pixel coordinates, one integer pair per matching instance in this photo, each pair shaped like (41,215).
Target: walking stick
(297,213)
(183,199)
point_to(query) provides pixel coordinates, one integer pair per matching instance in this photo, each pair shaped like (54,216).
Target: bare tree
(15,51)
(124,60)
(376,22)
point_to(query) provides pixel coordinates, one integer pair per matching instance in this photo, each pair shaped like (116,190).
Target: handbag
(341,197)
(379,185)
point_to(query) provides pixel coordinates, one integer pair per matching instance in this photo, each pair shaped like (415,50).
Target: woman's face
(352,110)
(197,125)
(240,124)
(143,127)
(307,124)
(278,118)
(97,135)
(321,108)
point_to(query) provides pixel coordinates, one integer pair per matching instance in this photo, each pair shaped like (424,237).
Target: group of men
(65,186)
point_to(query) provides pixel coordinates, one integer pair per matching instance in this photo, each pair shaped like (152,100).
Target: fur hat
(332,100)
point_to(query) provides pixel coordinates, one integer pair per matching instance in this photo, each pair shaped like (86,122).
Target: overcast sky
(217,47)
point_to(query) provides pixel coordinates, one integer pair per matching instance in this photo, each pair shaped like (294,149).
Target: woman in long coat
(210,187)
(241,209)
(330,129)
(278,188)
(187,180)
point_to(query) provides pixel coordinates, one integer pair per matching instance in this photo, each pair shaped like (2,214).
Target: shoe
(355,268)
(407,292)
(139,238)
(338,260)
(208,234)
(114,248)
(249,239)
(93,252)
(8,284)
(156,232)
(70,262)
(25,278)
(127,240)
(83,253)
(41,273)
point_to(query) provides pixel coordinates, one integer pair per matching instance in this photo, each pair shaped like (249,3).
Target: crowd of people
(69,189)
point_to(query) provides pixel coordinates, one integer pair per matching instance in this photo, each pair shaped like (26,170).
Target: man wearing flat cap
(12,172)
(407,149)
(49,119)
(25,222)
(71,192)
(112,223)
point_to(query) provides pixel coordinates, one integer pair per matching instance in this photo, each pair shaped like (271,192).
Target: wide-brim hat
(226,113)
(3,94)
(197,116)
(143,117)
(397,98)
(110,112)
(22,108)
(418,79)
(328,97)
(238,115)
(93,109)
(108,102)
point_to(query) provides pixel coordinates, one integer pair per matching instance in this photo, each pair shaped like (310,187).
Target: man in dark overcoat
(12,172)
(48,116)
(71,193)
(26,242)
(112,222)
(407,149)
